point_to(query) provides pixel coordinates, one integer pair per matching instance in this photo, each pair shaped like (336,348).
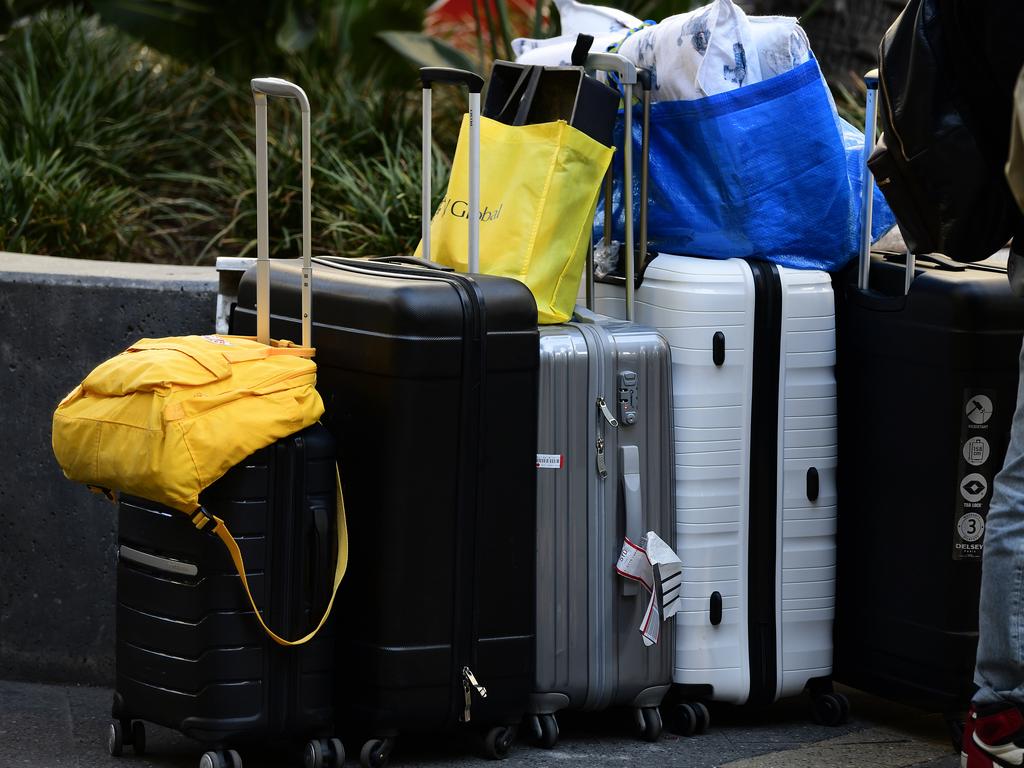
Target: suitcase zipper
(469,684)
(602,466)
(607,412)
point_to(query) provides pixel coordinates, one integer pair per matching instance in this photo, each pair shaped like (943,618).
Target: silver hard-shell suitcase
(605,471)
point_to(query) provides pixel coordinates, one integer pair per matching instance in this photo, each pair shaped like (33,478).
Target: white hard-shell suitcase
(753,370)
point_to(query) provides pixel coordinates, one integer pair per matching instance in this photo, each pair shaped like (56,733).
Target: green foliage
(109,150)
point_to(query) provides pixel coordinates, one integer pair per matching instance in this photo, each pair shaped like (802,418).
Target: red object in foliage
(460,10)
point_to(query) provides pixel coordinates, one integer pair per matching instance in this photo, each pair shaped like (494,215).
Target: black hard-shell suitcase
(429,379)
(190,652)
(190,655)
(927,375)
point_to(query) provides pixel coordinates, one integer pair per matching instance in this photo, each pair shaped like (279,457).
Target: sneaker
(998,734)
(971,755)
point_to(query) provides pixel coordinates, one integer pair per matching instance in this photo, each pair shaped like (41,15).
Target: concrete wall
(58,319)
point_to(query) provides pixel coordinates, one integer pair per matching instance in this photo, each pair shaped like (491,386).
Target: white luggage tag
(654,564)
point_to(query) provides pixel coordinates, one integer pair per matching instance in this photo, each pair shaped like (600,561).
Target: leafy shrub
(109,150)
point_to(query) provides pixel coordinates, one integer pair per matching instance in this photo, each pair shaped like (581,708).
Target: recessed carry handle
(633,499)
(431,75)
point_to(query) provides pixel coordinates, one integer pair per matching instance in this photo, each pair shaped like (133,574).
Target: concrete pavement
(52,726)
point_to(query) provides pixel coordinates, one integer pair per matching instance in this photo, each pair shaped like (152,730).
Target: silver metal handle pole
(645,156)
(627,161)
(307,234)
(425,204)
(262,224)
(474,182)
(911,265)
(867,182)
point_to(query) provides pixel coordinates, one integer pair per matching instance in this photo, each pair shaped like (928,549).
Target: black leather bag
(936,162)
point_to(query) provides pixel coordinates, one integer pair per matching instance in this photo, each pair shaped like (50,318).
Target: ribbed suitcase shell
(590,654)
(429,379)
(907,621)
(190,654)
(746,528)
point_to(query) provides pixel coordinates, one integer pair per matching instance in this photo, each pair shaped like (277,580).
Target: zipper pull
(602,467)
(607,412)
(469,682)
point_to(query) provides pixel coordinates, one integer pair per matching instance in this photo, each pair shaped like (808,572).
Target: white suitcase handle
(262,87)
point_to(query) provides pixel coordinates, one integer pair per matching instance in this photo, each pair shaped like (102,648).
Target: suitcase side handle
(262,87)
(428,76)
(633,498)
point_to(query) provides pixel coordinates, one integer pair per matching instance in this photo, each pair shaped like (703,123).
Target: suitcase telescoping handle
(868,189)
(627,73)
(262,87)
(474,83)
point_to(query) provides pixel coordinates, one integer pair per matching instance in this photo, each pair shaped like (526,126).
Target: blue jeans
(999,671)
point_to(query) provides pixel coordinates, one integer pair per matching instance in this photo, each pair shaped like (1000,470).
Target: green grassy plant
(109,150)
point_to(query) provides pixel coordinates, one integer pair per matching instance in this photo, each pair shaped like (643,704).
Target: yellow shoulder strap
(222,532)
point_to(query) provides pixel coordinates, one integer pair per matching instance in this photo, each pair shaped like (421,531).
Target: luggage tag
(656,566)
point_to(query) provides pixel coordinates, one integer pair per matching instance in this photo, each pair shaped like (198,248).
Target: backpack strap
(201,519)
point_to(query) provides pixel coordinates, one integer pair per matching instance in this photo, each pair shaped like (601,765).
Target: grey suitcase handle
(867,190)
(632,496)
(429,76)
(628,75)
(262,87)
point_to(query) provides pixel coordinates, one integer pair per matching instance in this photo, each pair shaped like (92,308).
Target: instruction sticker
(977,468)
(549,461)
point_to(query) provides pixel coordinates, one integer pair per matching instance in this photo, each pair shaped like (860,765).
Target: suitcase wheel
(830,709)
(498,741)
(376,752)
(122,733)
(688,719)
(648,721)
(323,753)
(223,759)
(544,729)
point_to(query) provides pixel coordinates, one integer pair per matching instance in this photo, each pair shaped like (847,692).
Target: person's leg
(999,673)
(994,732)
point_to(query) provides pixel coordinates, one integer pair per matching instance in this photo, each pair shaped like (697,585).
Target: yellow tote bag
(539,186)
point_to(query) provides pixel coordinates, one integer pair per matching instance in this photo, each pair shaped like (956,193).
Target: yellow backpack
(167,417)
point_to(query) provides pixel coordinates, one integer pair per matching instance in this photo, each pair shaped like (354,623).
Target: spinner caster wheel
(548,731)
(323,753)
(649,725)
(115,739)
(498,740)
(376,753)
(685,719)
(828,709)
(220,759)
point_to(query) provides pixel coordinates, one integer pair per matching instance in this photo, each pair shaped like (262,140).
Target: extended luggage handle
(867,192)
(474,83)
(629,76)
(262,87)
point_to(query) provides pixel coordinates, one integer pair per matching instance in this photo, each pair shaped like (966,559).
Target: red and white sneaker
(997,735)
(971,755)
